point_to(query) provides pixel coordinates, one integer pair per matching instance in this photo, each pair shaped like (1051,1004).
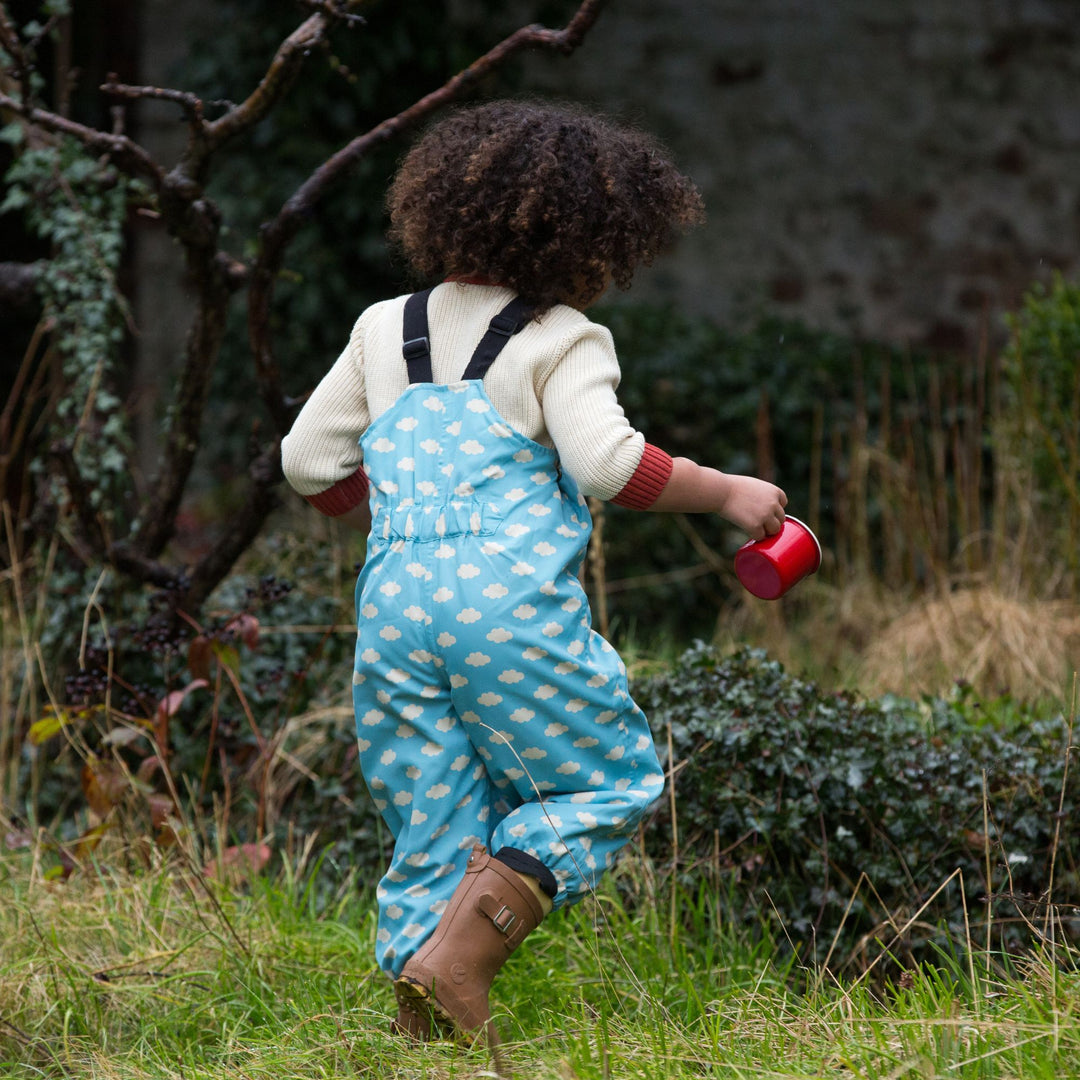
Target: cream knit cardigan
(554,382)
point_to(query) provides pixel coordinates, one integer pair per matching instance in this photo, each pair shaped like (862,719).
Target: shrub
(841,817)
(238,724)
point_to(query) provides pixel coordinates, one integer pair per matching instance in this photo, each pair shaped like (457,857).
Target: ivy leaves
(833,812)
(78,204)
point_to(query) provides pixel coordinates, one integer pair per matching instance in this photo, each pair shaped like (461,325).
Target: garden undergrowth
(157,974)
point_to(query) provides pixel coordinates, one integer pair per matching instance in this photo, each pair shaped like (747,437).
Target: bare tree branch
(136,565)
(11,44)
(201,350)
(277,234)
(208,136)
(337,10)
(195,221)
(191,105)
(126,152)
(275,83)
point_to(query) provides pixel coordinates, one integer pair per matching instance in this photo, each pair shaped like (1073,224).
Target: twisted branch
(207,136)
(191,104)
(195,221)
(277,234)
(279,77)
(124,151)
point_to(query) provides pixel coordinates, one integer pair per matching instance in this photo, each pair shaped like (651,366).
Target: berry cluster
(88,685)
(269,590)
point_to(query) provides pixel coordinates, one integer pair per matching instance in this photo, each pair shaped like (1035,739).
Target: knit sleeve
(596,443)
(321,455)
(649,479)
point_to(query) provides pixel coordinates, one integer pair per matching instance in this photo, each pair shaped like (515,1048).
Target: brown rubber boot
(449,979)
(411,1024)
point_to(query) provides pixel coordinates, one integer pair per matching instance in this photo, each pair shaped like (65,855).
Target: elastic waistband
(425,522)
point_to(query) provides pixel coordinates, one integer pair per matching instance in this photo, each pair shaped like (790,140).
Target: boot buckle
(504,918)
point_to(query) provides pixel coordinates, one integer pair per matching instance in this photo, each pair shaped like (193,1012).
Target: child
(496,732)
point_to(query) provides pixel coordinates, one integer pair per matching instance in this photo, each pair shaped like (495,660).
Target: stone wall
(900,169)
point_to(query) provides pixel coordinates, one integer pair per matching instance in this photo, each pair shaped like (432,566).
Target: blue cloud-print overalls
(488,711)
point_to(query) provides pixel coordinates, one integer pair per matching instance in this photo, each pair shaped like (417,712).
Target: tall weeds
(954,552)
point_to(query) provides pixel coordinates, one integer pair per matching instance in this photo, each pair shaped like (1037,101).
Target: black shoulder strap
(501,329)
(416,343)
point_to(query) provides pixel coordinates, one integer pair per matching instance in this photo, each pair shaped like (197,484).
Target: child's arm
(756,506)
(320,456)
(359,517)
(609,459)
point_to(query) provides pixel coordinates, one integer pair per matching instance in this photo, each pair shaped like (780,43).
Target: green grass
(132,976)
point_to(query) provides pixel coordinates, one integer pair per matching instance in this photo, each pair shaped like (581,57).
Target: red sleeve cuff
(649,479)
(343,496)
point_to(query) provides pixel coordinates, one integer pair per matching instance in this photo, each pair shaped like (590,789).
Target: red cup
(769,567)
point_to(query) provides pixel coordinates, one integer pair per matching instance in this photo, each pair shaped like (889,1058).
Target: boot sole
(415,996)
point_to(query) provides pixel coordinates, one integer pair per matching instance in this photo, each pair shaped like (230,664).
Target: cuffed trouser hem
(524,863)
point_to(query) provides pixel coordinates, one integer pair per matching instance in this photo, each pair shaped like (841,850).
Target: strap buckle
(415,348)
(504,918)
(505,325)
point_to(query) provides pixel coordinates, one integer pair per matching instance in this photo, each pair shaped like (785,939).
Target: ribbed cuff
(343,496)
(649,479)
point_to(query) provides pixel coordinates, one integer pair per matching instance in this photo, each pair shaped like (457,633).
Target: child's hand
(756,506)
(358,518)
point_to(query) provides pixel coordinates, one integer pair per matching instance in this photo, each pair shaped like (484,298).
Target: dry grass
(1000,644)
(820,629)
(866,637)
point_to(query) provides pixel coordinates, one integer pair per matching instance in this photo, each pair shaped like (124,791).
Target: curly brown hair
(549,200)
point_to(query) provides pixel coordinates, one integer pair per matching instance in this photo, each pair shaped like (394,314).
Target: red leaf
(199,656)
(15,839)
(246,628)
(148,767)
(168,706)
(103,785)
(161,809)
(239,862)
